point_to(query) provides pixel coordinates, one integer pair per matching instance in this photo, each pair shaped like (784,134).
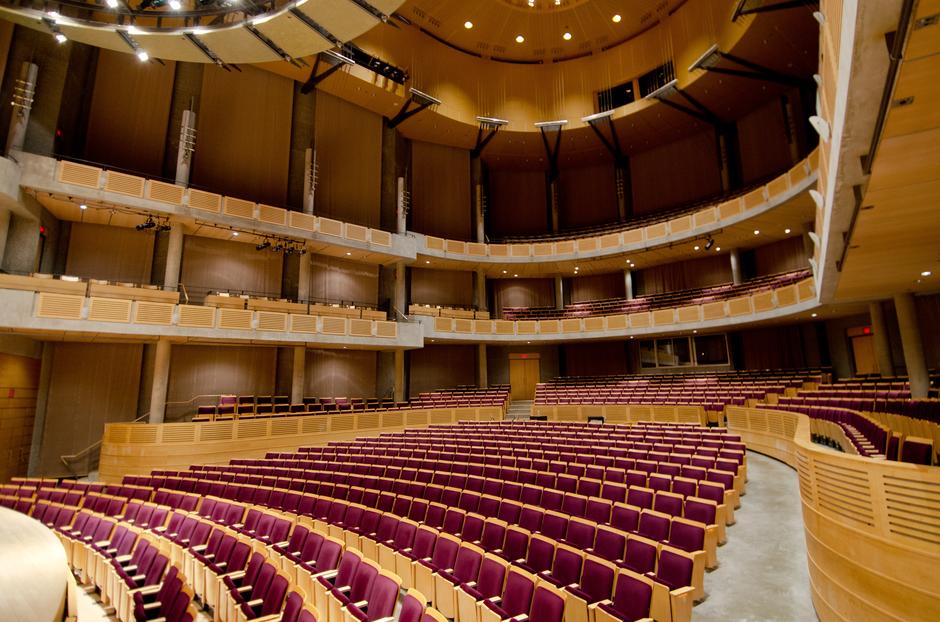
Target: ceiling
(897,232)
(497,23)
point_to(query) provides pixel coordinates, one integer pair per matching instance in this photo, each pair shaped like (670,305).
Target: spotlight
(176,5)
(709,243)
(112,4)
(147,224)
(143,56)
(61,38)
(265,244)
(82,206)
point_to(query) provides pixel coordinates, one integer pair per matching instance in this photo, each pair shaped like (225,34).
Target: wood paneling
(91,384)
(595,359)
(213,370)
(779,347)
(224,265)
(441,367)
(440,191)
(340,373)
(337,279)
(110,253)
(597,287)
(711,270)
(928,315)
(441,287)
(680,172)
(349,159)
(523,293)
(130,108)
(524,375)
(243,144)
(762,137)
(783,256)
(588,196)
(517,202)
(19,381)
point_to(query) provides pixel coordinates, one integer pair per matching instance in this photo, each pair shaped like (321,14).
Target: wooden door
(523,376)
(863,351)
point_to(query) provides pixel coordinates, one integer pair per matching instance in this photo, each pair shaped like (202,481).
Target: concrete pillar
(400,301)
(401,208)
(23,93)
(298,375)
(735,257)
(161,377)
(913,346)
(559,293)
(42,399)
(187,146)
(303,279)
(400,375)
(4,230)
(880,333)
(476,189)
(553,200)
(628,284)
(479,290)
(310,179)
(789,121)
(174,257)
(482,380)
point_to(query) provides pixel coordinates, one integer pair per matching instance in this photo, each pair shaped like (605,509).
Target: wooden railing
(623,413)
(872,526)
(138,448)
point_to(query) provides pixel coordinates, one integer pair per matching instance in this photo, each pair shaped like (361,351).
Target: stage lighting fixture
(265,244)
(709,243)
(147,224)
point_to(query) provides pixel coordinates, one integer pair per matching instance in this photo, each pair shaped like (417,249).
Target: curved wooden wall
(872,526)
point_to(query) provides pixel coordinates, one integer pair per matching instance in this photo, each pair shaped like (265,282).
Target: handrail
(68,459)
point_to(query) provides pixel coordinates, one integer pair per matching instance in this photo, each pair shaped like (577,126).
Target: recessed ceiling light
(616,18)
(348,254)
(566,36)
(468,24)
(176,5)
(756,231)
(427,261)
(520,39)
(787,230)
(61,38)
(515,275)
(143,56)
(82,206)
(717,248)
(112,4)
(234,234)
(504,272)
(926,273)
(531,3)
(696,247)
(813,315)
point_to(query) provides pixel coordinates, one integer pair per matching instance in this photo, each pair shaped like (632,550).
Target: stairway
(519,410)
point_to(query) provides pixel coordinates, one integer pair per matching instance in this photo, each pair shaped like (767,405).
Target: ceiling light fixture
(566,36)
(142,56)
(709,243)
(787,230)
(234,234)
(61,38)
(112,4)
(812,315)
(468,24)
(717,249)
(616,18)
(82,206)
(756,231)
(696,247)
(926,273)
(176,5)
(520,39)
(515,275)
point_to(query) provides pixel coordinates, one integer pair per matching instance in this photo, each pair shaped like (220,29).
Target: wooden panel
(476,249)
(238,207)
(356,233)
(483,327)
(654,232)
(205,201)
(565,247)
(526,327)
(786,295)
(634,236)
(499,250)
(164,192)
(739,306)
(542,249)
(386,329)
(753,199)
(238,319)
(571,325)
(705,217)
(455,246)
(664,317)
(617,322)
(680,225)
(610,241)
(594,323)
(157,313)
(59,306)
(778,186)
(272,215)
(434,244)
(303,323)
(328,226)
(503,327)
(729,208)
(691,313)
(443,324)
(79,174)
(520,250)
(299,220)
(121,183)
(713,311)
(360,328)
(440,203)
(463,325)
(586,245)
(806,289)
(640,320)
(380,238)
(333,326)
(194,316)
(268,320)
(549,327)
(763,301)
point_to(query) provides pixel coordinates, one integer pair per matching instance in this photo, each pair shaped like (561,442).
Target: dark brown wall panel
(129,112)
(588,196)
(441,287)
(595,359)
(92,384)
(928,315)
(517,202)
(349,157)
(440,191)
(523,293)
(243,140)
(110,253)
(782,256)
(597,287)
(763,142)
(224,265)
(19,384)
(337,279)
(780,347)
(680,172)
(712,270)
(213,370)
(441,367)
(340,373)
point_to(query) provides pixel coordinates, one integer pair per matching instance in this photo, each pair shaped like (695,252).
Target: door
(523,376)
(863,351)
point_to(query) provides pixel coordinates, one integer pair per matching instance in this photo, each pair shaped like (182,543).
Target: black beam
(271,45)
(315,27)
(758,72)
(715,119)
(407,112)
(552,152)
(743,9)
(315,79)
(483,141)
(689,111)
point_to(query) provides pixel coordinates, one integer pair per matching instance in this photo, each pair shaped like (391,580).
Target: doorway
(523,375)
(863,354)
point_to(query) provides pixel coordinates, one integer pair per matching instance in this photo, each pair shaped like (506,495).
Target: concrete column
(187,146)
(479,290)
(401,208)
(880,334)
(399,375)
(559,293)
(42,398)
(303,279)
(23,92)
(735,257)
(628,284)
(913,345)
(4,230)
(482,380)
(161,377)
(310,179)
(553,202)
(400,301)
(298,375)
(789,120)
(476,187)
(174,257)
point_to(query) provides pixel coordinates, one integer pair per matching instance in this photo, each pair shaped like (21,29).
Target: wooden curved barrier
(872,526)
(139,448)
(623,413)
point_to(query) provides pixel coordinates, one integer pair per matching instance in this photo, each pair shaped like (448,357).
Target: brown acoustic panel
(109,253)
(440,203)
(340,373)
(130,108)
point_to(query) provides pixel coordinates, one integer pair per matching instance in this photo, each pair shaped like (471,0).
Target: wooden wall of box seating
(872,526)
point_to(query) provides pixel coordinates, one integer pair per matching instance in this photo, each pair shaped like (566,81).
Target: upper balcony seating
(682,298)
(447,311)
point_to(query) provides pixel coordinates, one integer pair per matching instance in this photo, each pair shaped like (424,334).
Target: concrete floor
(762,572)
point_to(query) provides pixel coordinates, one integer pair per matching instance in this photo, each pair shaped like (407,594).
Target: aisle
(33,570)
(762,574)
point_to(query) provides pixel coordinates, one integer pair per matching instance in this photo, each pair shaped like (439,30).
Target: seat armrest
(154,605)
(471,583)
(102,543)
(199,548)
(243,589)
(494,599)
(522,617)
(238,574)
(281,544)
(123,558)
(254,603)
(360,604)
(344,588)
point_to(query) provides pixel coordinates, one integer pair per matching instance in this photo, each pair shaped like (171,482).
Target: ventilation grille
(59,306)
(328,226)
(131,185)
(380,238)
(303,323)
(455,246)
(142,434)
(433,243)
(357,233)
(360,328)
(79,174)
(109,310)
(238,207)
(313,425)
(177,433)
(393,419)
(269,320)
(333,325)
(913,508)
(368,421)
(845,492)
(194,316)
(640,320)
(299,220)
(284,426)
(484,327)
(342,423)
(165,193)
(216,431)
(272,215)
(205,201)
(236,319)
(594,323)
(153,313)
(251,429)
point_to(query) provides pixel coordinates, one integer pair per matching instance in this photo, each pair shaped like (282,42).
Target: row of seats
(698,296)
